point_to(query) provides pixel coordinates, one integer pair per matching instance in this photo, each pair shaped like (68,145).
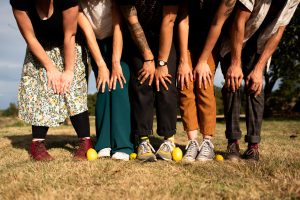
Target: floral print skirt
(38,105)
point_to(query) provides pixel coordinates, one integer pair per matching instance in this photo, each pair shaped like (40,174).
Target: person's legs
(121,140)
(38,149)
(254,109)
(206,104)
(81,125)
(142,102)
(166,110)
(188,110)
(232,104)
(103,105)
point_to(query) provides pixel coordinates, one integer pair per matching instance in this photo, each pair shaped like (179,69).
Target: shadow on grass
(66,142)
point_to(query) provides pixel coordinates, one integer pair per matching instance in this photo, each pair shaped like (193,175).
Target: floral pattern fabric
(38,105)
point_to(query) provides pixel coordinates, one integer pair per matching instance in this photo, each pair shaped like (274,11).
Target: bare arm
(184,74)
(103,72)
(117,73)
(36,48)
(234,75)
(166,31)
(254,81)
(136,31)
(220,17)
(138,36)
(70,17)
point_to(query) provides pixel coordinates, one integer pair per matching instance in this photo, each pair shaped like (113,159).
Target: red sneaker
(84,145)
(39,152)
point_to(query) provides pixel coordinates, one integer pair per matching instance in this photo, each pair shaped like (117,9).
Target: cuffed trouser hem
(252,139)
(169,133)
(233,136)
(207,131)
(142,132)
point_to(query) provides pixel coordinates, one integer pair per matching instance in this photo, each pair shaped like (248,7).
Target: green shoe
(145,152)
(165,150)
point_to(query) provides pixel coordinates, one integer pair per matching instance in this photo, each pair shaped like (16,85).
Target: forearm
(91,40)
(220,17)
(69,51)
(136,31)
(269,48)
(117,37)
(183,34)
(237,36)
(70,17)
(166,32)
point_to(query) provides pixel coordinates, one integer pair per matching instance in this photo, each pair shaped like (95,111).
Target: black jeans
(232,102)
(145,97)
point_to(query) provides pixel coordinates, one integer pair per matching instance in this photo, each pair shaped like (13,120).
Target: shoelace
(145,147)
(206,147)
(193,144)
(167,146)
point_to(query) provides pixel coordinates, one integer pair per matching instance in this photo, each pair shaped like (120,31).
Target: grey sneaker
(145,152)
(165,150)
(192,149)
(206,151)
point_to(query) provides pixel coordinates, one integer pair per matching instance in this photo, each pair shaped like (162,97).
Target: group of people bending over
(146,56)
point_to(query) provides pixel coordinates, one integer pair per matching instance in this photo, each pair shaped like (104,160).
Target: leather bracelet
(150,60)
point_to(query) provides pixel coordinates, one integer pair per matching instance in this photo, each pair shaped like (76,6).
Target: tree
(285,69)
(12,110)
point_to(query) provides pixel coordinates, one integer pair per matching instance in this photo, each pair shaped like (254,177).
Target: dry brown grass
(275,176)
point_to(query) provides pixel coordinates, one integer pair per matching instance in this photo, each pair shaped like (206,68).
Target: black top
(149,14)
(201,14)
(50,30)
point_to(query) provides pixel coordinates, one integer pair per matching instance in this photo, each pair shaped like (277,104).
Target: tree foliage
(285,69)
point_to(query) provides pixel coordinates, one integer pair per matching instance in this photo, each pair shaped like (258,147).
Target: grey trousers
(232,102)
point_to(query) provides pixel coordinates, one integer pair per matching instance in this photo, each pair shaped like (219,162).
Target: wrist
(161,63)
(148,55)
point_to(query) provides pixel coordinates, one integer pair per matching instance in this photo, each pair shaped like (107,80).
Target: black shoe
(233,151)
(251,154)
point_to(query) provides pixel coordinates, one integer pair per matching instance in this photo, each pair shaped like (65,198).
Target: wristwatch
(161,63)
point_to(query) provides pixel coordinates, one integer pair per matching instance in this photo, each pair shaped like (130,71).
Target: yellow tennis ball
(91,154)
(177,154)
(219,157)
(132,156)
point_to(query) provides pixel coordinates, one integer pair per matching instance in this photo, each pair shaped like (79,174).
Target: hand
(234,77)
(66,81)
(162,75)
(116,75)
(254,82)
(184,75)
(103,77)
(203,73)
(53,76)
(147,71)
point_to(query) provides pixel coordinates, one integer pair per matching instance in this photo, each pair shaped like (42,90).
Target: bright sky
(12,51)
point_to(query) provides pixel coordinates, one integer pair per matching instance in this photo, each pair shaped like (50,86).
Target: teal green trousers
(113,112)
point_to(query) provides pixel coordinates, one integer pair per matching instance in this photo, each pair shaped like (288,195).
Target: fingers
(98,84)
(162,80)
(111,83)
(200,80)
(141,75)
(157,84)
(120,81)
(191,76)
(144,78)
(186,81)
(123,79)
(232,84)
(258,90)
(103,87)
(151,79)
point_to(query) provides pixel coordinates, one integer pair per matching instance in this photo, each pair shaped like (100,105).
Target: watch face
(161,63)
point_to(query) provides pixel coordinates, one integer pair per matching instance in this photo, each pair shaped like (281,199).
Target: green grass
(275,176)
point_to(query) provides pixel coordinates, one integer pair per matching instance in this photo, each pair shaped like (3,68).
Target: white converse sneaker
(206,151)
(120,156)
(104,153)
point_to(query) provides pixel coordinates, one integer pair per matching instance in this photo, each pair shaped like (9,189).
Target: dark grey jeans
(232,102)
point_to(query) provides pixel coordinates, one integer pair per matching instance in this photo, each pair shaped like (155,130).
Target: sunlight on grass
(275,176)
